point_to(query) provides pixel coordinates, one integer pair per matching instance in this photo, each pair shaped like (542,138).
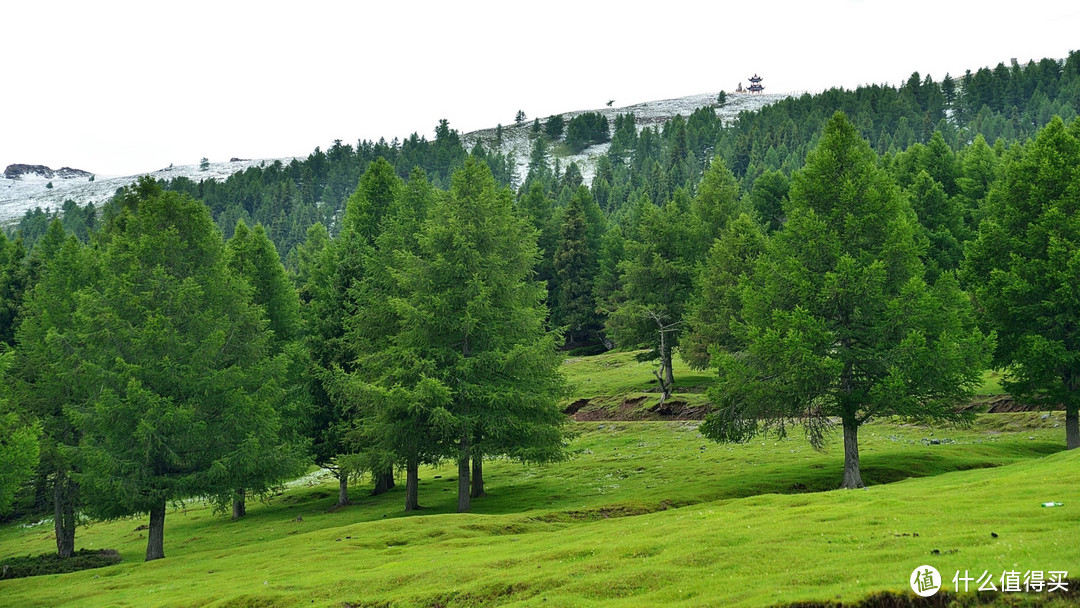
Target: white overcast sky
(118,88)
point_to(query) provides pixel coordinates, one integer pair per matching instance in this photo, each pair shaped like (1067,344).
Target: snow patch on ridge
(30,190)
(519,140)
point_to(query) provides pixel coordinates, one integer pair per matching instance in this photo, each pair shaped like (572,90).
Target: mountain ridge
(28,187)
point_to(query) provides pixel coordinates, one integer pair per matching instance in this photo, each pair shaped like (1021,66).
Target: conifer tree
(43,378)
(657,276)
(250,255)
(837,317)
(942,223)
(717,201)
(1023,268)
(400,416)
(19,447)
(715,310)
(978,171)
(573,307)
(177,355)
(14,280)
(554,127)
(324,280)
(472,318)
(767,197)
(341,268)
(539,210)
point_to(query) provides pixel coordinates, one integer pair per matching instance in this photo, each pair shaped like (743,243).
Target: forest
(829,261)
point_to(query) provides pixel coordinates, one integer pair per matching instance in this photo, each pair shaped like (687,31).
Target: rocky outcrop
(17,171)
(69,173)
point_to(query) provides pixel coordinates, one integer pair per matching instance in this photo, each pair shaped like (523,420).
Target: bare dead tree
(664,375)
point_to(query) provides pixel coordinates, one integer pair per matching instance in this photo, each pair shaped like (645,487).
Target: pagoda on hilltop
(755,84)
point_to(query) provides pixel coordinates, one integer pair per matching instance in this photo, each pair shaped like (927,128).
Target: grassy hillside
(619,385)
(645,513)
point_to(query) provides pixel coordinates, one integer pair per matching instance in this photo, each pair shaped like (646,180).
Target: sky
(118,88)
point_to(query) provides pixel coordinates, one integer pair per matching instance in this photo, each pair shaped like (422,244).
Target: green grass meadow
(645,513)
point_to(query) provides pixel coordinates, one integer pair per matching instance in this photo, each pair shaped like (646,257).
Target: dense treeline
(396,305)
(287,199)
(1007,103)
(77,220)
(160,361)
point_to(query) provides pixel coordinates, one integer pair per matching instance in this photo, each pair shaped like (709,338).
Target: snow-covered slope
(650,113)
(30,190)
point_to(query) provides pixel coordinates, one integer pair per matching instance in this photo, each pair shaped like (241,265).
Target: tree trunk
(384,482)
(670,380)
(1072,427)
(477,477)
(852,475)
(239,504)
(463,504)
(343,489)
(64,514)
(155,541)
(412,484)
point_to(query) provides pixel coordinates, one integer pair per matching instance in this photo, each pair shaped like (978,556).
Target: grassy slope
(620,373)
(616,383)
(747,535)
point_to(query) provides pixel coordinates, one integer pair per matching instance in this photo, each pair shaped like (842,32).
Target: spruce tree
(715,310)
(177,355)
(657,276)
(250,254)
(1024,267)
(837,317)
(43,376)
(472,318)
(19,447)
(574,307)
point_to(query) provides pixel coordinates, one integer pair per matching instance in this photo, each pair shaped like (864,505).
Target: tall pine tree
(250,255)
(47,384)
(1024,267)
(472,318)
(177,354)
(837,317)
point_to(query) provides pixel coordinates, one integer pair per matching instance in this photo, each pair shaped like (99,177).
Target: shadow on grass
(50,563)
(559,494)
